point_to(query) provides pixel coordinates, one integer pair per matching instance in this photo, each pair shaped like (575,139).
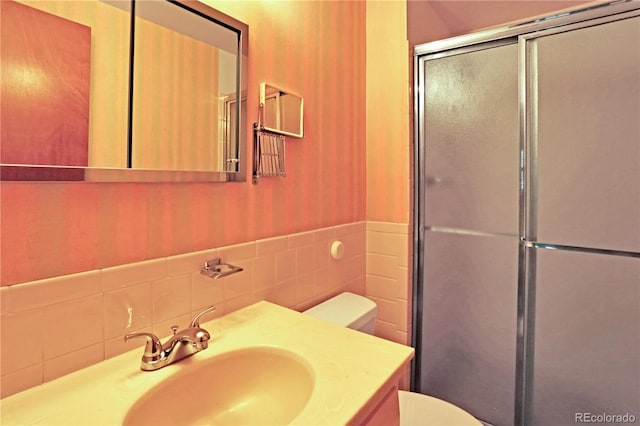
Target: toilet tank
(348,310)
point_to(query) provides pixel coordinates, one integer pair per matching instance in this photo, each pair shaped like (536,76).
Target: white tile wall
(81,318)
(388,278)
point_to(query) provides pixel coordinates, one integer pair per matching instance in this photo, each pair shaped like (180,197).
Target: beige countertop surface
(351,371)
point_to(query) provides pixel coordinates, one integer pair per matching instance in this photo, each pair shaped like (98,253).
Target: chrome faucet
(182,344)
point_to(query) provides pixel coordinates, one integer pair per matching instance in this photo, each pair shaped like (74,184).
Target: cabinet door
(587,337)
(387,413)
(588,124)
(471,140)
(469,323)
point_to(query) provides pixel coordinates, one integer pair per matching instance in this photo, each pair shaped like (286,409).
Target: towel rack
(268,153)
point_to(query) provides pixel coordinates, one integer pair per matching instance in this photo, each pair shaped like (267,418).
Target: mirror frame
(54,173)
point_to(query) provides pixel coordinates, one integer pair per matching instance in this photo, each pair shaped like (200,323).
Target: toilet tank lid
(346,309)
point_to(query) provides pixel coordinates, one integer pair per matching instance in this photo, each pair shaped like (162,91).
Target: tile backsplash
(77,320)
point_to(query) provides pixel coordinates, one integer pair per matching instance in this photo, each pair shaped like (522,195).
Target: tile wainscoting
(388,278)
(55,326)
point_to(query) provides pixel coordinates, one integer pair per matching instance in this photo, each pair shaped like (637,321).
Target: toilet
(359,313)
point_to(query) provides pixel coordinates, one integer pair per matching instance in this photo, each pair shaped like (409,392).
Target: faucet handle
(153,347)
(196,321)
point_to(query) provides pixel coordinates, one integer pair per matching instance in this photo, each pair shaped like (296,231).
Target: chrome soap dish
(215,269)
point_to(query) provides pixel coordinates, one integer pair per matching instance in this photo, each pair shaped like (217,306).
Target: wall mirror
(122,90)
(282,111)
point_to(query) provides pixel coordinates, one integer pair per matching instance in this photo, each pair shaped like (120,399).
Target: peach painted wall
(388,101)
(314,48)
(388,281)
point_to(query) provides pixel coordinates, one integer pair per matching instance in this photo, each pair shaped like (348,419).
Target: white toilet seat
(422,410)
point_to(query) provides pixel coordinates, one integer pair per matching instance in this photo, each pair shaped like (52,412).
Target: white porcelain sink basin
(257,385)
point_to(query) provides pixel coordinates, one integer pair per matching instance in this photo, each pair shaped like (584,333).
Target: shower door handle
(433,181)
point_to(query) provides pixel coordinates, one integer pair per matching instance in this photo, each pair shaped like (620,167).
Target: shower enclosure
(527,224)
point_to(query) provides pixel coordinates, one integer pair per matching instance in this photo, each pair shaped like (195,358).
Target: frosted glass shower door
(471,196)
(528,220)
(588,135)
(587,338)
(472,141)
(586,112)
(469,325)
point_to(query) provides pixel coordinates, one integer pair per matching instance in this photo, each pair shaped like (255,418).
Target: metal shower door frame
(521,33)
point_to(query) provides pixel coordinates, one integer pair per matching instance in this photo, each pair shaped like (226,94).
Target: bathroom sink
(256,385)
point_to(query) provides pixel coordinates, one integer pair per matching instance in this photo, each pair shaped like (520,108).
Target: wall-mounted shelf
(280,115)
(281,111)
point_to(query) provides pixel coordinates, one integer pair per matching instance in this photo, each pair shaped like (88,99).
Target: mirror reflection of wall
(291,113)
(182,75)
(185,82)
(282,111)
(163,104)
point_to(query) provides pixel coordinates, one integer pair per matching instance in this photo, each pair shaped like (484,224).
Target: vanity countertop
(352,372)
